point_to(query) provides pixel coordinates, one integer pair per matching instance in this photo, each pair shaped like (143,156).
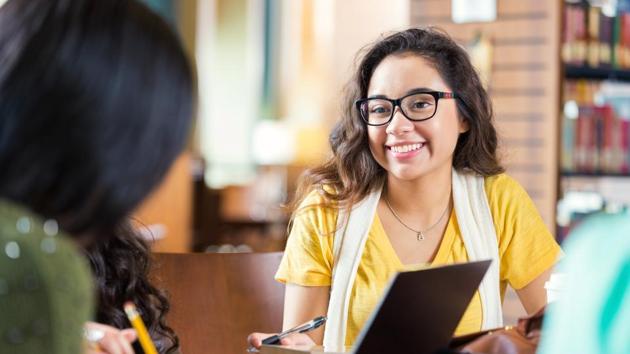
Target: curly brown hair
(120,265)
(352,172)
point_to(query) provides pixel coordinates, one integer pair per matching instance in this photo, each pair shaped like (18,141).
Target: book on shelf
(605,40)
(594,39)
(596,135)
(624,152)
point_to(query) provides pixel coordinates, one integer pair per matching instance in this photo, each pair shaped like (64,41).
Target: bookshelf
(595,122)
(571,174)
(535,60)
(585,72)
(524,86)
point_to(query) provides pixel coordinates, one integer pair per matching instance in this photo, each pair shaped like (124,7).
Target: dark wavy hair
(352,172)
(96,101)
(120,265)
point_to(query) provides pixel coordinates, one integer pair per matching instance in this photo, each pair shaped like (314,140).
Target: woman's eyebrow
(413,90)
(419,90)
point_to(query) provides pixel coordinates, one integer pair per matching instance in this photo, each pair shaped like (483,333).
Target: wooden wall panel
(524,86)
(509,78)
(169,209)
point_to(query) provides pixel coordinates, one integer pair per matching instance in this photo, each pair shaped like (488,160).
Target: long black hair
(120,265)
(95,104)
(96,99)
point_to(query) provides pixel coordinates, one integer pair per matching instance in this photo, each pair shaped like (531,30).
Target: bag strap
(480,239)
(348,247)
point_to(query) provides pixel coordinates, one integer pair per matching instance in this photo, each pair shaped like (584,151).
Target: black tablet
(420,309)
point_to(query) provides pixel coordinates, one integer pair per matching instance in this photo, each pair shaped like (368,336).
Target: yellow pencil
(141,329)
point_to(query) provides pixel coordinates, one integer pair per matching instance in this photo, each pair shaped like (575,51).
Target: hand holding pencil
(143,335)
(104,339)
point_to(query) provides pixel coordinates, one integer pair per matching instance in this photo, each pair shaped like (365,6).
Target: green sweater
(46,290)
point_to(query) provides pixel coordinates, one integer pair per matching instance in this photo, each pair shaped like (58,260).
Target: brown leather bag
(521,339)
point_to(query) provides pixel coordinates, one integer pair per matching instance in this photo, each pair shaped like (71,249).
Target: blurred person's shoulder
(45,284)
(602,230)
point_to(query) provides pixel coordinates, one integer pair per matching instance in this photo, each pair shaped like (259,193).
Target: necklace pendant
(420,236)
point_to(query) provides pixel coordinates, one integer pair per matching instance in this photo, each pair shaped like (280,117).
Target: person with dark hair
(414,180)
(96,101)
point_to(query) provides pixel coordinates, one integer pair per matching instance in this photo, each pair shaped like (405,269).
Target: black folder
(421,309)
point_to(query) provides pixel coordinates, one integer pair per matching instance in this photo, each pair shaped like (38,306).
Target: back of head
(96,104)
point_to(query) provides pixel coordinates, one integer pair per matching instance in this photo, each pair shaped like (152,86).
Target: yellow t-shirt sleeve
(307,259)
(526,247)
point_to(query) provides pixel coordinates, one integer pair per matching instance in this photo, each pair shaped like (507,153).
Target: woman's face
(409,150)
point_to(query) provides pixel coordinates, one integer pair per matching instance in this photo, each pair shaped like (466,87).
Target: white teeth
(406,148)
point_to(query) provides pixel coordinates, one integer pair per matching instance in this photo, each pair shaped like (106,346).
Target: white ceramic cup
(555,286)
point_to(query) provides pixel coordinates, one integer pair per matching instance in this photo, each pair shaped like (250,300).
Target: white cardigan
(478,233)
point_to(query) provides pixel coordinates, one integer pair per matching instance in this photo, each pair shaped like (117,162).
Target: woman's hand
(107,339)
(295,339)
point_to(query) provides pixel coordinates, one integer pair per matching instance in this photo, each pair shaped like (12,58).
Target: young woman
(415,150)
(96,103)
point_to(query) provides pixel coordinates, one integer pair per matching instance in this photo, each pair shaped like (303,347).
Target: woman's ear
(463,125)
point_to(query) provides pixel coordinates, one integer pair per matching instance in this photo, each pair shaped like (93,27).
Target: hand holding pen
(305,327)
(275,339)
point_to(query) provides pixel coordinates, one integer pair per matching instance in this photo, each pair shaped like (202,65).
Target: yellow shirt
(526,249)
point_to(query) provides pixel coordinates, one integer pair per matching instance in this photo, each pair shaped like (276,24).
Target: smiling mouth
(406,148)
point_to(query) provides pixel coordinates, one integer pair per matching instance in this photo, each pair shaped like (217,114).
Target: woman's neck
(425,195)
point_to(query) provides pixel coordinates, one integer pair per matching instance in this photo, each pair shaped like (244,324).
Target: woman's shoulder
(38,255)
(29,230)
(502,185)
(317,212)
(39,243)
(318,198)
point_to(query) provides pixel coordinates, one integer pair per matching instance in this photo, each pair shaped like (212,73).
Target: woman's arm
(533,295)
(302,304)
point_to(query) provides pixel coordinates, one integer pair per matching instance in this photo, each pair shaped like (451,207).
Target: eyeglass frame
(397,102)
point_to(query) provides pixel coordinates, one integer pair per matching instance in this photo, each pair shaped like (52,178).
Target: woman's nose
(399,123)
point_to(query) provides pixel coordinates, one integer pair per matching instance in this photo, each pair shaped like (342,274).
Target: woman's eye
(420,105)
(379,109)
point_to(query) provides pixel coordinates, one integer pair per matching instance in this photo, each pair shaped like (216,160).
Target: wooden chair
(218,299)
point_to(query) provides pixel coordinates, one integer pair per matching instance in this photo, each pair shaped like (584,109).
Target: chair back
(217,299)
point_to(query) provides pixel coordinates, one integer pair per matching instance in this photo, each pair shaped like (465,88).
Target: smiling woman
(415,143)
(421,136)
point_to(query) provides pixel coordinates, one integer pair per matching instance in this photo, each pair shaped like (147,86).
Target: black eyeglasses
(416,106)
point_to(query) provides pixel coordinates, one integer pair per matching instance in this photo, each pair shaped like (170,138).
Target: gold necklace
(419,233)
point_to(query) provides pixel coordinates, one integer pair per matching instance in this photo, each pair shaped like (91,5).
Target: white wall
(319,42)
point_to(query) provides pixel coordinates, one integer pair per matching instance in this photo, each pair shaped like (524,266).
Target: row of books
(578,204)
(596,127)
(594,39)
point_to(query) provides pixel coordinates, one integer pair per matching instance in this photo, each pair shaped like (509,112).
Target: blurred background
(271,74)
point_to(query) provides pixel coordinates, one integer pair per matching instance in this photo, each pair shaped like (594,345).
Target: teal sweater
(45,286)
(593,313)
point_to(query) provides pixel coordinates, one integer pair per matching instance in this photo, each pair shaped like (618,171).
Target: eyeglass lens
(416,107)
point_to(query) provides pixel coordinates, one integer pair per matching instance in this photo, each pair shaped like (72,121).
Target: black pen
(308,326)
